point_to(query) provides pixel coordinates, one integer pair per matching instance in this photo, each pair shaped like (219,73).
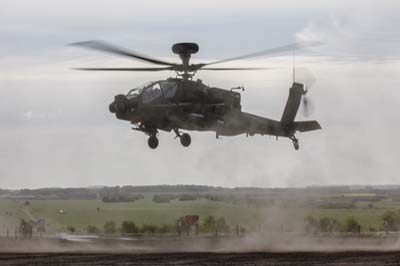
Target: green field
(81,213)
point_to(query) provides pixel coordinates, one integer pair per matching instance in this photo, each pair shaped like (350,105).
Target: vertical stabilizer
(292,104)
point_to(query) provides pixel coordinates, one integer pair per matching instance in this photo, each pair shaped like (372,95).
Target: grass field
(81,213)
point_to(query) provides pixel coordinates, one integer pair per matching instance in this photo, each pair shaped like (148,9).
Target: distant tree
(351,225)
(71,229)
(128,227)
(391,221)
(92,229)
(209,223)
(221,226)
(25,228)
(327,224)
(110,227)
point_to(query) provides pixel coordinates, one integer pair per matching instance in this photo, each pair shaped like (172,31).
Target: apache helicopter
(182,103)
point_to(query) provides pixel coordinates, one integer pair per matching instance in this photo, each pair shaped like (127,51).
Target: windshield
(136,91)
(152,93)
(169,88)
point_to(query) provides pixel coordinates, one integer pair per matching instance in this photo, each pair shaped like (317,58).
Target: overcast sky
(56,129)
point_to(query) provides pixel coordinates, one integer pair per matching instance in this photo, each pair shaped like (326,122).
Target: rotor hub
(185,50)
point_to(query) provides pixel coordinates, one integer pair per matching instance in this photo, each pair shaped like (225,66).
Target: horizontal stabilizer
(303,126)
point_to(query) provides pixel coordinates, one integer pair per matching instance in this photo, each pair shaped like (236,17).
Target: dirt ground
(253,250)
(199,258)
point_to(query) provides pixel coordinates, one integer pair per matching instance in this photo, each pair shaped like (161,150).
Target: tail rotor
(308,79)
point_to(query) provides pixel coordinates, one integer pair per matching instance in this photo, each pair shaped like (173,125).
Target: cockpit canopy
(151,91)
(138,90)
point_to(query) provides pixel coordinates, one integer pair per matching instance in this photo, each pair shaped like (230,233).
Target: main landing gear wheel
(152,142)
(185,139)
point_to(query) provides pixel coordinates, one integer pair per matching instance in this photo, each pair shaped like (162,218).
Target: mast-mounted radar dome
(185,48)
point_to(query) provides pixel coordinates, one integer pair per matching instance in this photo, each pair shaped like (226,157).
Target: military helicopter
(182,103)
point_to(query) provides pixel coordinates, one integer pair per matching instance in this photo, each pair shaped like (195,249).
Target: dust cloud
(267,242)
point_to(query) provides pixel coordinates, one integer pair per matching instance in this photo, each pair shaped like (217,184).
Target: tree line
(390,222)
(211,224)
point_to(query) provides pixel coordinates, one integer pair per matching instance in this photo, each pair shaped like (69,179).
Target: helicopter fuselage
(175,104)
(183,104)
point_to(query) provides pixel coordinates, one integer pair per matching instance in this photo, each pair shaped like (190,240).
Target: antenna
(294,65)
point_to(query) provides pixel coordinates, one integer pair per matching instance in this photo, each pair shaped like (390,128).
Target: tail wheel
(295,143)
(152,142)
(185,139)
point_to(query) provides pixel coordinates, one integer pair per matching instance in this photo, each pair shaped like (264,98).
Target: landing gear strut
(184,138)
(295,142)
(151,132)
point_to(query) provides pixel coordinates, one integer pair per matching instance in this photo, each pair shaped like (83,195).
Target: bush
(217,225)
(186,197)
(128,227)
(209,223)
(351,225)
(327,224)
(110,227)
(91,229)
(71,229)
(163,198)
(324,224)
(149,228)
(166,228)
(372,229)
(122,198)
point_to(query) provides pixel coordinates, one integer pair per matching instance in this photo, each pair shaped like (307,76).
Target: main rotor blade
(105,47)
(289,47)
(234,68)
(125,69)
